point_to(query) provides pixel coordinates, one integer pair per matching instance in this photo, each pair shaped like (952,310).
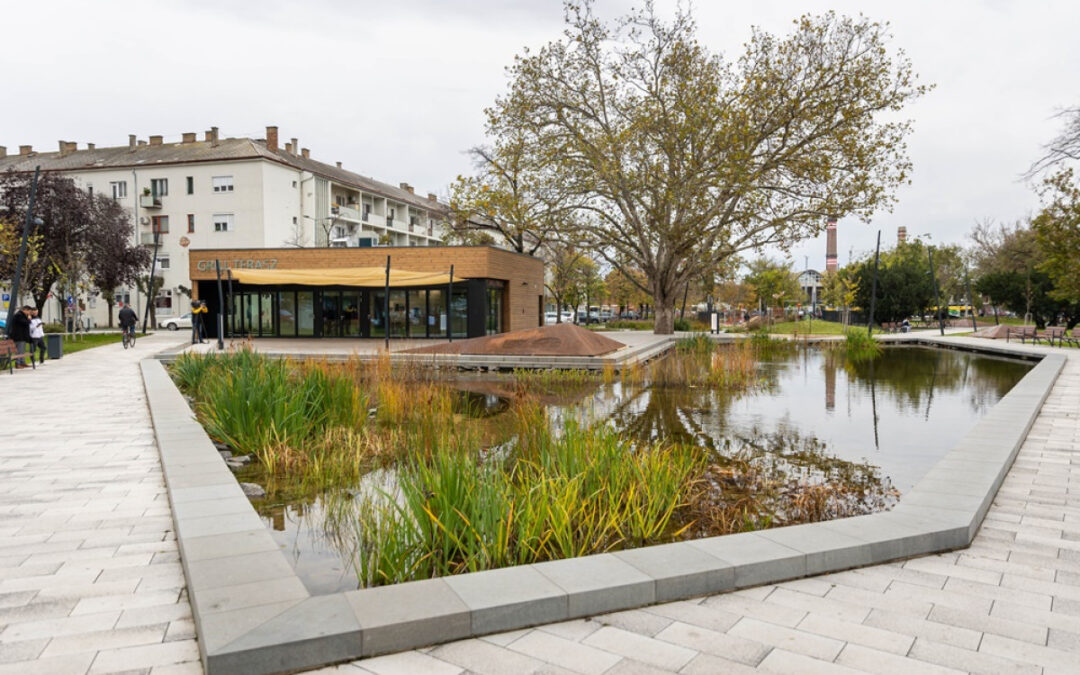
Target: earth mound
(561,339)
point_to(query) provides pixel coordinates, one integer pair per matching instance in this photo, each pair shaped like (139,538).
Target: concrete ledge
(253,614)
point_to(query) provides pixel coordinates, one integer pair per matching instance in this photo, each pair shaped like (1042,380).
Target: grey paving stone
(405,615)
(599,583)
(239,569)
(652,651)
(681,570)
(728,646)
(239,596)
(511,597)
(755,559)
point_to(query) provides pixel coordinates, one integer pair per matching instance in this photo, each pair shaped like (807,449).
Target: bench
(8,357)
(1052,333)
(1024,333)
(1067,338)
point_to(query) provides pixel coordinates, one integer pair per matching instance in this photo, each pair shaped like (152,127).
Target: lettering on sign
(238,264)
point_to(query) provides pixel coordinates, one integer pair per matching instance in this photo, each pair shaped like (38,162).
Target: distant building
(234,193)
(810,282)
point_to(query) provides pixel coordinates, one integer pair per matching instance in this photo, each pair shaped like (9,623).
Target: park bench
(1071,339)
(8,357)
(1023,333)
(1052,333)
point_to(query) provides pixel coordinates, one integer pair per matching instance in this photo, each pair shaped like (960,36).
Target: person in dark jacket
(19,332)
(128,319)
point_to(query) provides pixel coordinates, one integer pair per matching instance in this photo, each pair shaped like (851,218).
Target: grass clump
(859,346)
(577,492)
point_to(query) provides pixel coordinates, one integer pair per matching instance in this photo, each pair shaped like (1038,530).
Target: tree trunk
(663,310)
(110,304)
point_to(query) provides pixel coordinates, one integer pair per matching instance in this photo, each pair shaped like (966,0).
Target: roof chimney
(271,138)
(3,151)
(339,165)
(90,146)
(155,140)
(306,153)
(431,197)
(295,146)
(67,147)
(406,187)
(212,136)
(142,143)
(188,137)
(288,148)
(131,142)
(26,149)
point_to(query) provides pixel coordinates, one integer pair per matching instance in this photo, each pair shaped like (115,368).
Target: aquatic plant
(859,346)
(698,343)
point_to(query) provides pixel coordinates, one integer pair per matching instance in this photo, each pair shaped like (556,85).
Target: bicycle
(129,337)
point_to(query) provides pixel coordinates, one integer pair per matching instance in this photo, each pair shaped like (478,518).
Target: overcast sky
(395,90)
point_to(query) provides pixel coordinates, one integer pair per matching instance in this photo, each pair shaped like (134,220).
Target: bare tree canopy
(677,160)
(1064,147)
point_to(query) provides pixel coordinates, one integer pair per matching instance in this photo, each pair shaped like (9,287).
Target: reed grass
(860,346)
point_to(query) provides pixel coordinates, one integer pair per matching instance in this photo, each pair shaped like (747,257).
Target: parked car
(176,322)
(550,318)
(630,315)
(606,315)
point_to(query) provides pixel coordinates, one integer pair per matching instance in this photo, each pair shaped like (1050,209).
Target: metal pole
(221,308)
(386,307)
(232,328)
(970,302)
(449,295)
(873,287)
(937,295)
(150,285)
(22,249)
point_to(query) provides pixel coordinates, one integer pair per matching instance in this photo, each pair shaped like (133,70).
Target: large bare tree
(678,160)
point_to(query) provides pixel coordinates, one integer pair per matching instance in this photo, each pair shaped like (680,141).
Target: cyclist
(128,320)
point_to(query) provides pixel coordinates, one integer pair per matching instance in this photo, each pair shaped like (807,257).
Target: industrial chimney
(830,244)
(901,234)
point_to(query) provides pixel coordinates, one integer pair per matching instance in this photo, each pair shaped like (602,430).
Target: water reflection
(811,416)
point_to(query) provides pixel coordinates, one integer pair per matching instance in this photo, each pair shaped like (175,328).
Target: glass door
(350,313)
(331,314)
(266,314)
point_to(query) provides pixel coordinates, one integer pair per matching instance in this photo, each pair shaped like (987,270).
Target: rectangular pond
(788,435)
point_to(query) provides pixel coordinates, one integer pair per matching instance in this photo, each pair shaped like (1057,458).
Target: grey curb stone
(263,620)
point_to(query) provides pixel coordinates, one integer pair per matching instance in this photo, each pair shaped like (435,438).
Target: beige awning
(340,276)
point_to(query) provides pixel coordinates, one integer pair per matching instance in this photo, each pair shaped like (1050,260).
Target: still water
(894,416)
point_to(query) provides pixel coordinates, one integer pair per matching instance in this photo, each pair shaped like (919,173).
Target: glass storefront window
(494,310)
(305,313)
(331,314)
(417,317)
(350,313)
(266,314)
(397,313)
(436,315)
(377,314)
(287,313)
(459,312)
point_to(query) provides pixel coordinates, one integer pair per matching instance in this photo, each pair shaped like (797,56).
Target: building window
(191,185)
(119,189)
(160,224)
(222,183)
(191,222)
(163,262)
(223,222)
(159,187)
(294,183)
(294,220)
(164,299)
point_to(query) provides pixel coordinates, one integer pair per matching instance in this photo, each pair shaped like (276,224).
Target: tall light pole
(30,220)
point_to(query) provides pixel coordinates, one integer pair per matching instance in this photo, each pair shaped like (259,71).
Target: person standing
(19,332)
(198,312)
(37,334)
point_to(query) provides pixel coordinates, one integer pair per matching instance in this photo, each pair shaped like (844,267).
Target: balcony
(346,212)
(149,202)
(146,238)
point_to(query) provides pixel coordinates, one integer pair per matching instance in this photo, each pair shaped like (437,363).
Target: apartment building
(234,193)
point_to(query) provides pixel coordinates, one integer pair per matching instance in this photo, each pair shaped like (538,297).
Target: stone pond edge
(254,615)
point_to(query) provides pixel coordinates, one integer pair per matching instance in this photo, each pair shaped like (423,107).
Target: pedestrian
(198,311)
(19,332)
(37,334)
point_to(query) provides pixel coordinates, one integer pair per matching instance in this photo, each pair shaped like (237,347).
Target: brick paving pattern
(90,578)
(90,583)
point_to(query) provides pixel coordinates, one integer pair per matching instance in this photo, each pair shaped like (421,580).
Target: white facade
(260,201)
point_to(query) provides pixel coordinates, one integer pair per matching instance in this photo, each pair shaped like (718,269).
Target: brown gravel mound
(992,332)
(561,339)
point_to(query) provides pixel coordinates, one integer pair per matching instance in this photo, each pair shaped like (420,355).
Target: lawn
(805,327)
(89,341)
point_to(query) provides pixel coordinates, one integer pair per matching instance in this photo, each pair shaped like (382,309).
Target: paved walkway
(90,580)
(1010,603)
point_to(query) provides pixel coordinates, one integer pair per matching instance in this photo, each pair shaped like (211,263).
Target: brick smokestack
(271,139)
(189,137)
(26,149)
(156,140)
(131,142)
(831,262)
(901,234)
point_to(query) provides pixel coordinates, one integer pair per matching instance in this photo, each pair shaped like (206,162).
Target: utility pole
(150,283)
(873,287)
(22,249)
(970,301)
